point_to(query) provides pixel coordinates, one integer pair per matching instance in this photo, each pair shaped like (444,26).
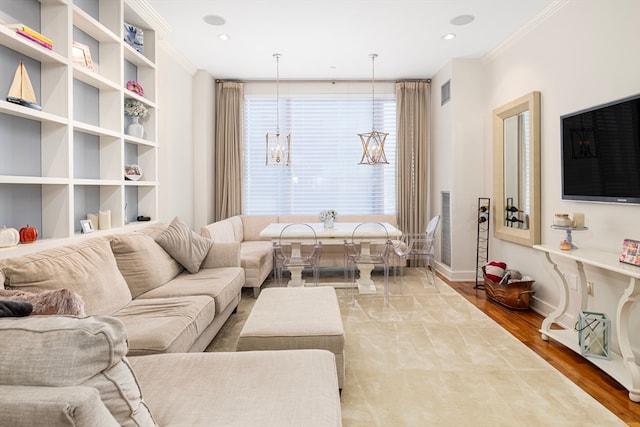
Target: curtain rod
(323,81)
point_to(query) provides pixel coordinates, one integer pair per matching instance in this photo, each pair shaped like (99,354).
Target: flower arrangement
(135,87)
(135,108)
(328,214)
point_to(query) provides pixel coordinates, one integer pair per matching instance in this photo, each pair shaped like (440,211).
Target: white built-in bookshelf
(67,160)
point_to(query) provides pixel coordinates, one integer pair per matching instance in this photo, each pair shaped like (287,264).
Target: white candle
(104,220)
(94,220)
(578,219)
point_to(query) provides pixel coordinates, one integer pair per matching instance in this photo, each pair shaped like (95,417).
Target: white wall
(457,159)
(583,54)
(175,135)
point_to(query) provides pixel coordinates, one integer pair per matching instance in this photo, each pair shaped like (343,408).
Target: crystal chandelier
(278,148)
(373,142)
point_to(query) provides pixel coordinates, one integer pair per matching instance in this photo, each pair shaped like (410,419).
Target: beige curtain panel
(412,155)
(228,149)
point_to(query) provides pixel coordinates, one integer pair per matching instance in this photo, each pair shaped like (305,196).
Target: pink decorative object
(135,87)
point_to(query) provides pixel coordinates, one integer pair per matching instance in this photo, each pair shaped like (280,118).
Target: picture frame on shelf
(81,55)
(86,226)
(630,252)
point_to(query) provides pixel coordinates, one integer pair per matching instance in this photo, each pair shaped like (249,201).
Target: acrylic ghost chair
(423,248)
(402,248)
(293,252)
(355,252)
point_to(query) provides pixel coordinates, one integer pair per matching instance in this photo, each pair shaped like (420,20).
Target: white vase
(328,224)
(135,128)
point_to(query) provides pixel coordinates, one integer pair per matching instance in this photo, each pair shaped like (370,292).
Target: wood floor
(524,325)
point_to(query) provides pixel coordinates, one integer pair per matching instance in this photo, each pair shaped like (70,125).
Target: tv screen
(601,153)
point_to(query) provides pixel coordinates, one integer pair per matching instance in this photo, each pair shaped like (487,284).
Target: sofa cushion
(58,301)
(184,245)
(89,268)
(253,254)
(59,351)
(165,325)
(252,225)
(75,406)
(248,389)
(222,284)
(220,231)
(143,262)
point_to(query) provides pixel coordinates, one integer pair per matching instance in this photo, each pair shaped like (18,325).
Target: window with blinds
(324,120)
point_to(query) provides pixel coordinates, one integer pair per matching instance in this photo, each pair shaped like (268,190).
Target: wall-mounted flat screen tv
(601,153)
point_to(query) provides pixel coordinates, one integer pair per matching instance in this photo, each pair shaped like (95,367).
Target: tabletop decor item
(86,226)
(81,55)
(28,234)
(21,90)
(630,252)
(593,334)
(136,110)
(132,172)
(135,87)
(9,237)
(328,217)
(134,37)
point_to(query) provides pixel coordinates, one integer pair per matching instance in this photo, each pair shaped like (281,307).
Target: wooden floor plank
(525,325)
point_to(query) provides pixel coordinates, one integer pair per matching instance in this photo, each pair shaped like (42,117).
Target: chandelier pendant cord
(277,93)
(373,80)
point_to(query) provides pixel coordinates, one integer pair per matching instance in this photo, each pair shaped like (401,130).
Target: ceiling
(332,39)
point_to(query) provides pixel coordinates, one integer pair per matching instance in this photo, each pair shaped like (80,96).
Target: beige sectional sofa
(256,253)
(63,371)
(164,308)
(134,360)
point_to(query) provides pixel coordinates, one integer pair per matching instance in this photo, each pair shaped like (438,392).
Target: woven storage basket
(515,295)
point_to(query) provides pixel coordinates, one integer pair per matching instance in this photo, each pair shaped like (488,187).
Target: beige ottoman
(296,318)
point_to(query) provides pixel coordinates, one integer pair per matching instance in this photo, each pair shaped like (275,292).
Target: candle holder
(568,230)
(593,334)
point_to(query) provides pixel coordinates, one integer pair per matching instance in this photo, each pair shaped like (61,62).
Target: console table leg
(630,295)
(562,304)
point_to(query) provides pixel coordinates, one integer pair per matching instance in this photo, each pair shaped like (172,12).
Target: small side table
(569,229)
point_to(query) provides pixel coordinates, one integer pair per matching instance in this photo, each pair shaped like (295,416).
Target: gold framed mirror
(516,170)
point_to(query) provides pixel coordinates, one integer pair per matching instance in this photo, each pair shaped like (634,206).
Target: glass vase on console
(328,224)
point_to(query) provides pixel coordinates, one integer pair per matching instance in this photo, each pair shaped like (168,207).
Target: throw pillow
(58,301)
(15,308)
(184,245)
(144,264)
(495,270)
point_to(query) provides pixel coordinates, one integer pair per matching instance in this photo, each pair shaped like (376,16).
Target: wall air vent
(445,238)
(445,92)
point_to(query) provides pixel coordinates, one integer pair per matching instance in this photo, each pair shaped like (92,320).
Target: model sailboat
(21,91)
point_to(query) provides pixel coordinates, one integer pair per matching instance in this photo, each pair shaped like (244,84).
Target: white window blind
(324,120)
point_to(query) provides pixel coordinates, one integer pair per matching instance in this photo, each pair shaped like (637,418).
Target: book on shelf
(32,35)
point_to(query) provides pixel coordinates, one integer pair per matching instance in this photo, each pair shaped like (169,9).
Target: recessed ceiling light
(463,19)
(224,36)
(214,20)
(448,36)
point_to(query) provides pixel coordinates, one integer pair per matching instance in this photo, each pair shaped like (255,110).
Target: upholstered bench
(296,318)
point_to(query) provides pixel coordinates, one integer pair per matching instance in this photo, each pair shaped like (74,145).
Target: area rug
(433,359)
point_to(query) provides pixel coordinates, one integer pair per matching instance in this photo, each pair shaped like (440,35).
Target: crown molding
(149,15)
(529,26)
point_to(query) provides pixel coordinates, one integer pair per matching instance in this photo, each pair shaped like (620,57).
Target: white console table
(621,367)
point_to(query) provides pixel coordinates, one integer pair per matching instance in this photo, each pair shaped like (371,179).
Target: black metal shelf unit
(482,240)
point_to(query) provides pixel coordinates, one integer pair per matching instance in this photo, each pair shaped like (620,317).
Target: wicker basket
(515,295)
